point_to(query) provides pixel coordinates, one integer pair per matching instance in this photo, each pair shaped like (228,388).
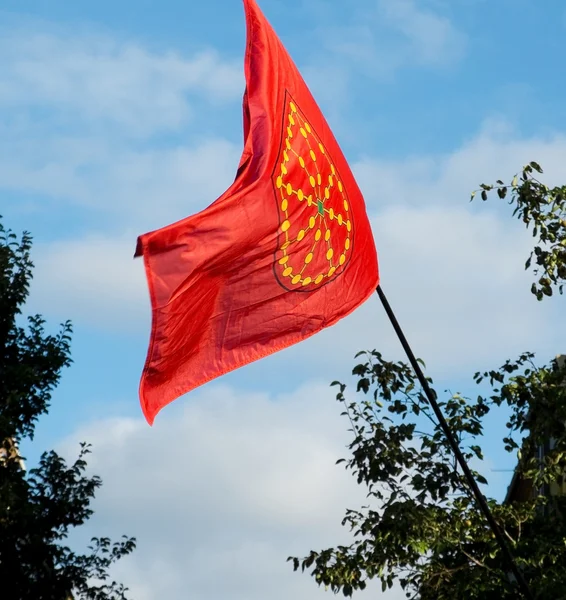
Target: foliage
(39,508)
(544,209)
(421,527)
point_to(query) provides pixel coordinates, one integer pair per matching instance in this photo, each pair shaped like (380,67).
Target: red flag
(286,251)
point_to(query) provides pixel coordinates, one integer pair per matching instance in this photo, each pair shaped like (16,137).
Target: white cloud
(141,189)
(497,152)
(79,106)
(453,270)
(83,116)
(380,38)
(102,81)
(456,284)
(92,280)
(221,490)
(431,38)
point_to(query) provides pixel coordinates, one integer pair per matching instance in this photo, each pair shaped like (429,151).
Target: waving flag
(286,251)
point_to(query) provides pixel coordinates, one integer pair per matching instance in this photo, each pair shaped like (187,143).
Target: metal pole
(430,394)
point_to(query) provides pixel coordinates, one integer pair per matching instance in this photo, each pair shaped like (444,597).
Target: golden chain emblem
(316,225)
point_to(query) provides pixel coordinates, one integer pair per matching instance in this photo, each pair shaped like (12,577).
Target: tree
(39,508)
(422,528)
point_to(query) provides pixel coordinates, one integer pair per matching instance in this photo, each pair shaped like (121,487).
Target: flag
(286,251)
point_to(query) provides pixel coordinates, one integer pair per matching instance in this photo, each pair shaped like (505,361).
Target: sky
(119,118)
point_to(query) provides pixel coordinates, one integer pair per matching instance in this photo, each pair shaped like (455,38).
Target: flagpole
(431,395)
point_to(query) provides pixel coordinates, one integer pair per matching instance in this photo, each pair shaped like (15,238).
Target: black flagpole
(455,448)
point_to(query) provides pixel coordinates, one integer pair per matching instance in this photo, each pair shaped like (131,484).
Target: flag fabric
(286,251)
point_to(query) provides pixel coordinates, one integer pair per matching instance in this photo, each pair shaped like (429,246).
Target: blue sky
(118,118)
